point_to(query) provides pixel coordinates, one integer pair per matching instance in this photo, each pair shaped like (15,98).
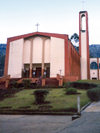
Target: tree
(75,39)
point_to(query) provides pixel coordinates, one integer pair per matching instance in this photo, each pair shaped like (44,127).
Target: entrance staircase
(51,82)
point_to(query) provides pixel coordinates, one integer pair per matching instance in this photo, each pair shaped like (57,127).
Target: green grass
(57,98)
(89,81)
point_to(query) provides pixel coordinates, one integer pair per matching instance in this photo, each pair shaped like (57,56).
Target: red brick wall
(73,63)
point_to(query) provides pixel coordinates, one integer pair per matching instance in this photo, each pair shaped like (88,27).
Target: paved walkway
(89,122)
(33,123)
(94,107)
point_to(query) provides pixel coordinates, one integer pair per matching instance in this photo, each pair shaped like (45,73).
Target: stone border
(85,106)
(27,112)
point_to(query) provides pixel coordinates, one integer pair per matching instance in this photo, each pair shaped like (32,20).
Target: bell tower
(84,45)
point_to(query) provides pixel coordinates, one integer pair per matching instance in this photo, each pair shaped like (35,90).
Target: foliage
(94,94)
(75,37)
(71,91)
(67,84)
(95,82)
(57,98)
(26,83)
(8,92)
(40,96)
(81,85)
(13,84)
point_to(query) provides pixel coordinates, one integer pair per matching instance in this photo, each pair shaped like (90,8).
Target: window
(93,65)
(83,25)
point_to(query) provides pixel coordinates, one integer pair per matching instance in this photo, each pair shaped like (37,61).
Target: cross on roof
(37,26)
(83,4)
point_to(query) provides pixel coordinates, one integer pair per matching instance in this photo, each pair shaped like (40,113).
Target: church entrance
(38,72)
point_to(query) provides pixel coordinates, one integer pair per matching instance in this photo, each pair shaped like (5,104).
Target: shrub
(26,83)
(13,84)
(94,94)
(82,85)
(40,96)
(70,91)
(67,85)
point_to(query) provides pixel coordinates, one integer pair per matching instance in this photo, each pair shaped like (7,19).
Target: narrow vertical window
(83,25)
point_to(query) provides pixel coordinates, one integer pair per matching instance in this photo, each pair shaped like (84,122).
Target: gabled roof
(62,36)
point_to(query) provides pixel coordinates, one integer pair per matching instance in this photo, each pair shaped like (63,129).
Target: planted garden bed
(56,102)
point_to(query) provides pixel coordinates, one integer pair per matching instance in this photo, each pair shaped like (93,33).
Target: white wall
(37,50)
(57,57)
(47,51)
(83,56)
(93,74)
(15,58)
(27,46)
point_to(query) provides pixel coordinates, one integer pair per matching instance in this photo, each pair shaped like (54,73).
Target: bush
(94,94)
(13,84)
(80,85)
(8,92)
(40,96)
(67,85)
(70,91)
(26,83)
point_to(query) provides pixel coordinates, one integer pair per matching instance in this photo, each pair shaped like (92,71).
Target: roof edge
(63,36)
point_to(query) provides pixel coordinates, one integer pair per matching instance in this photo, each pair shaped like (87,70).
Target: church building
(49,55)
(42,54)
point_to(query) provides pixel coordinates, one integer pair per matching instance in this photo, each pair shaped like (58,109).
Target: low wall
(4,82)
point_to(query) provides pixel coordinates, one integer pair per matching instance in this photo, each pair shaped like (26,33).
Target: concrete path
(89,122)
(33,123)
(94,107)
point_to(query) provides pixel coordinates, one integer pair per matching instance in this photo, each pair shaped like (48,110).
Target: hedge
(94,94)
(80,85)
(71,91)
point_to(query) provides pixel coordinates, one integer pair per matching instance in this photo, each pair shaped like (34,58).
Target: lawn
(89,81)
(57,101)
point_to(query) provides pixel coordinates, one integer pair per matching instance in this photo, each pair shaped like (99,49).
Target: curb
(25,112)
(84,107)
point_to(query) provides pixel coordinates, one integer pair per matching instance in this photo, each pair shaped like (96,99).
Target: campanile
(84,45)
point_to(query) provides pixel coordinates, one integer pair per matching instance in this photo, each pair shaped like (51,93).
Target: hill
(94,51)
(2,58)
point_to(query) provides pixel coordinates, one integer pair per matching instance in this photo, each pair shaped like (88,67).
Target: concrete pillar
(43,56)
(43,81)
(31,57)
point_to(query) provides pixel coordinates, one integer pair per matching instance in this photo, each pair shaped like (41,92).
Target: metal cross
(37,26)
(83,4)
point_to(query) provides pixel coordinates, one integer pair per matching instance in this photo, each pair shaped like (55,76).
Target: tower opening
(83,23)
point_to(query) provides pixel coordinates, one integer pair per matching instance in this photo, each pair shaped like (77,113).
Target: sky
(19,17)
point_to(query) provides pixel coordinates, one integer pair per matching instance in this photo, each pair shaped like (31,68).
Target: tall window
(93,65)
(83,25)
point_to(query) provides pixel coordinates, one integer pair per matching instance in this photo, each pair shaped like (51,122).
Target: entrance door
(38,72)
(48,72)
